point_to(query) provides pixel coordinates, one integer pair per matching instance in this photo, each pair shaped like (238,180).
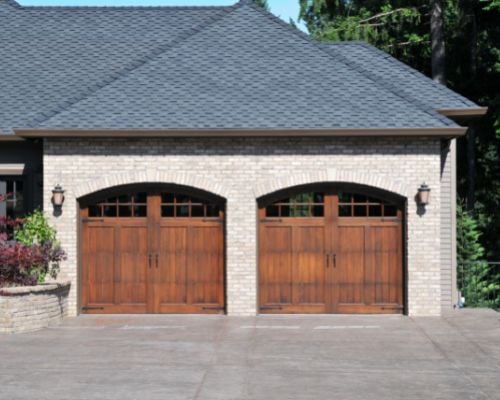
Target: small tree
(477,282)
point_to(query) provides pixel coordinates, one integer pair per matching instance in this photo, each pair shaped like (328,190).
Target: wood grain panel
(349,273)
(132,269)
(309,265)
(275,272)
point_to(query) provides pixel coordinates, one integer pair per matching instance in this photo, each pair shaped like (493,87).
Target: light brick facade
(243,169)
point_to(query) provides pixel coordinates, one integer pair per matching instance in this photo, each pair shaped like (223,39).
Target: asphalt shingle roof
(413,84)
(197,68)
(52,56)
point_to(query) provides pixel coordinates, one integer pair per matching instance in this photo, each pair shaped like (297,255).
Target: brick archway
(151,176)
(334,176)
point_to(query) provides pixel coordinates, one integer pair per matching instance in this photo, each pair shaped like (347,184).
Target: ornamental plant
(28,250)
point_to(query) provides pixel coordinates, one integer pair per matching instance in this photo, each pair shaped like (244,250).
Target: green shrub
(35,230)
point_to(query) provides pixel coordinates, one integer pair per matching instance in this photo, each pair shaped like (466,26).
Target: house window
(14,204)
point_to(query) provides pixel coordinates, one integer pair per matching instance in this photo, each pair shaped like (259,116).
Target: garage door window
(359,205)
(125,206)
(183,206)
(303,205)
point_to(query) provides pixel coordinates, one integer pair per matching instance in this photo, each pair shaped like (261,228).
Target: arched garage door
(324,250)
(152,250)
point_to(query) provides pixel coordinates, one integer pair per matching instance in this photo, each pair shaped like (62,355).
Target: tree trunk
(471,135)
(437,42)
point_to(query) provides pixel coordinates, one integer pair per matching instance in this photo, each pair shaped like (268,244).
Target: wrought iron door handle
(150,258)
(157,261)
(327,260)
(334,260)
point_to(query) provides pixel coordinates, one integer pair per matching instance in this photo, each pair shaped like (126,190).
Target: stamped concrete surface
(265,357)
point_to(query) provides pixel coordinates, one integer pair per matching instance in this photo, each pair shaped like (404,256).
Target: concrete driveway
(267,357)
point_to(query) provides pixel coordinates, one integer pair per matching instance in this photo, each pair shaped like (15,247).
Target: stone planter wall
(29,308)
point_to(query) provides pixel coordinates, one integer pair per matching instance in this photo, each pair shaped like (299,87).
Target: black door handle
(327,260)
(334,260)
(157,261)
(150,259)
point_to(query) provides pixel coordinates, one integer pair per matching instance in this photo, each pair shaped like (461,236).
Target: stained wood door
(150,253)
(328,251)
(293,256)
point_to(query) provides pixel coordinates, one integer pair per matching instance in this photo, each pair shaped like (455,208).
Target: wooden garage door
(331,251)
(152,252)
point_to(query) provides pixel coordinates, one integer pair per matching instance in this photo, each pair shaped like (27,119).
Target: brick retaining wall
(29,308)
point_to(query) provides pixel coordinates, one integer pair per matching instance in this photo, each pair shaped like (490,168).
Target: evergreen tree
(477,281)
(263,4)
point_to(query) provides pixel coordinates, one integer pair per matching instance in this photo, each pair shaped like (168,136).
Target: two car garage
(321,249)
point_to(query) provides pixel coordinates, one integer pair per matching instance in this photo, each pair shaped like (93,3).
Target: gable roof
(234,67)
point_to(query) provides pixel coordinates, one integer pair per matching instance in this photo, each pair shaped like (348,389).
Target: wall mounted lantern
(57,198)
(423,194)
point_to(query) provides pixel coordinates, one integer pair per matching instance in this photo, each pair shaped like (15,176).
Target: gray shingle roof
(52,56)
(415,85)
(194,68)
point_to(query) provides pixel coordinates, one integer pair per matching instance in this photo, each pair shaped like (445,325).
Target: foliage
(35,229)
(477,280)
(469,249)
(28,250)
(472,45)
(263,4)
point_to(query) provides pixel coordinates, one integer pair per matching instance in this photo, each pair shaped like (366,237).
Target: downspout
(455,295)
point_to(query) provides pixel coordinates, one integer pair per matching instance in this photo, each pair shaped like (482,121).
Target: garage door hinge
(92,308)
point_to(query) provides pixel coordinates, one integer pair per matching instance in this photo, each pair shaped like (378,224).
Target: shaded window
(175,205)
(132,205)
(13,189)
(359,205)
(303,205)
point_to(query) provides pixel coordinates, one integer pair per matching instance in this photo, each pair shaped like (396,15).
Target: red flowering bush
(27,251)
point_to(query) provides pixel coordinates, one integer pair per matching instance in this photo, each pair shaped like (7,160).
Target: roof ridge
(414,71)
(44,117)
(375,50)
(362,71)
(12,3)
(393,89)
(106,8)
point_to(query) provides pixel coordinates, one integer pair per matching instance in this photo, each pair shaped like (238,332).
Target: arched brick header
(151,176)
(333,175)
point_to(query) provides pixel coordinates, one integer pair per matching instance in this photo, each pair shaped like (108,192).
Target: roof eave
(463,113)
(10,138)
(336,132)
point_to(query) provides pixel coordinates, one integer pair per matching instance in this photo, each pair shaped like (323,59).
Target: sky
(284,9)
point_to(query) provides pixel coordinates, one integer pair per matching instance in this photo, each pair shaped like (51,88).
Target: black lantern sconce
(423,195)
(57,199)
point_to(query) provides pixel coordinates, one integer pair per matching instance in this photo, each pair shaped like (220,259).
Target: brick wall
(26,309)
(243,169)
